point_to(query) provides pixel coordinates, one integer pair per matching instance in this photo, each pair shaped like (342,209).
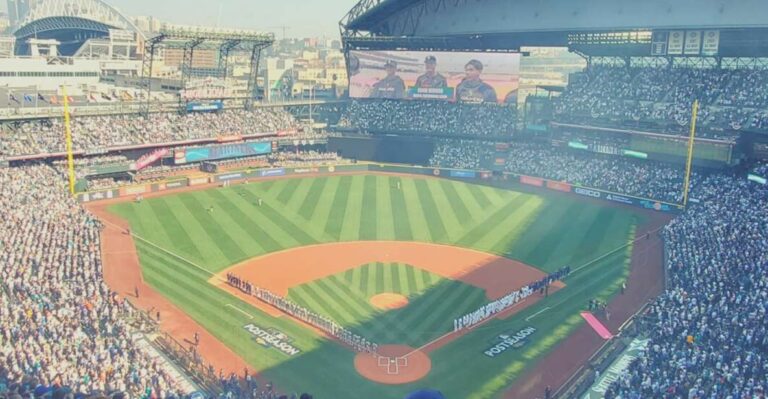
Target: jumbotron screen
(428,75)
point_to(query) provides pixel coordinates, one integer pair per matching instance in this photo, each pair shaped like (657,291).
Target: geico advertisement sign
(587,192)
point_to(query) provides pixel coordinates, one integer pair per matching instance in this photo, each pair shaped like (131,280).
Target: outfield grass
(545,231)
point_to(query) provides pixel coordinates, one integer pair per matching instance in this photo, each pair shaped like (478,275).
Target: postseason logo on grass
(511,340)
(272,338)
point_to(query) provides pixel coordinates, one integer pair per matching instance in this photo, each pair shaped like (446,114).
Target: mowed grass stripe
(235,230)
(300,194)
(369,210)
(216,225)
(433,218)
(372,280)
(263,241)
(393,277)
(209,248)
(440,320)
(475,209)
(345,299)
(327,305)
(265,220)
(417,219)
(560,236)
(453,198)
(174,230)
(286,192)
(350,229)
(319,216)
(403,285)
(400,216)
(312,198)
(298,234)
(443,208)
(480,230)
(422,280)
(551,219)
(385,224)
(339,208)
(480,197)
(413,287)
(509,226)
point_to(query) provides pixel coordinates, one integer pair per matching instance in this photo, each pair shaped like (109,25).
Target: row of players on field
(357,342)
(472,88)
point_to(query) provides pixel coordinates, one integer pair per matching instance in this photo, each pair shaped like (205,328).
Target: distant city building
(18,10)
(148,24)
(7,45)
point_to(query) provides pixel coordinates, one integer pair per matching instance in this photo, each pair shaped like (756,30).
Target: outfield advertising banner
(532,181)
(216,152)
(464,174)
(559,186)
(433,75)
(272,172)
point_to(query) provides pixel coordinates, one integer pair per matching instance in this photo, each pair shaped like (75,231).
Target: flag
(54,100)
(41,98)
(70,99)
(92,97)
(28,98)
(14,99)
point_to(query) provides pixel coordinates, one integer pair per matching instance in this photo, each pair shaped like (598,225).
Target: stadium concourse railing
(458,174)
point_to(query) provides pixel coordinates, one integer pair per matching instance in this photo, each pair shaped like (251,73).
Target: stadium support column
(146,71)
(253,76)
(186,66)
(686,185)
(224,50)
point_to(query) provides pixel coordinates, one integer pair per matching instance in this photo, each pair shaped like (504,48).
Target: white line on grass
(537,313)
(239,310)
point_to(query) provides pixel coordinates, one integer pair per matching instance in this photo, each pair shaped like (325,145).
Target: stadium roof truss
(52,12)
(191,38)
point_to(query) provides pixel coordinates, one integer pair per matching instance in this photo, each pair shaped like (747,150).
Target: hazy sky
(304,17)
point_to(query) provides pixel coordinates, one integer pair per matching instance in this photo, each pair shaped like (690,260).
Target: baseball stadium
(491,199)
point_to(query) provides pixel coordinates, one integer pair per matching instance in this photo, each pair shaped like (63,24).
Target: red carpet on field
(596,325)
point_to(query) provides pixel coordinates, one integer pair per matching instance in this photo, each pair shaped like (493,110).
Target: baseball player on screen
(431,79)
(392,86)
(472,89)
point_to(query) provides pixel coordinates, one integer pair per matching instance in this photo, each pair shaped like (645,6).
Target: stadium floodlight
(215,34)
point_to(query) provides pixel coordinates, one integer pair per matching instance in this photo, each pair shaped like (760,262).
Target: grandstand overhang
(504,24)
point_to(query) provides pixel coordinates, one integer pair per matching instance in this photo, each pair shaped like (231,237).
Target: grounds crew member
(431,79)
(392,86)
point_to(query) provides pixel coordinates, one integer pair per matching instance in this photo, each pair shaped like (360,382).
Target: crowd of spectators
(430,117)
(460,154)
(708,331)
(730,100)
(640,178)
(101,132)
(61,328)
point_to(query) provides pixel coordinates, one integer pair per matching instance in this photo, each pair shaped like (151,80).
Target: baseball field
(394,259)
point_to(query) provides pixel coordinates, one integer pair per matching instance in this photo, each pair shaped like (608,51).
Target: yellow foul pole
(68,130)
(686,185)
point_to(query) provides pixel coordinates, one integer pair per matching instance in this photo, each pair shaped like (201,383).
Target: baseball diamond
(328,244)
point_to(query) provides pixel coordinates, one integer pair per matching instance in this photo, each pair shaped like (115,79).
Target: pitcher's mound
(389,301)
(394,364)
